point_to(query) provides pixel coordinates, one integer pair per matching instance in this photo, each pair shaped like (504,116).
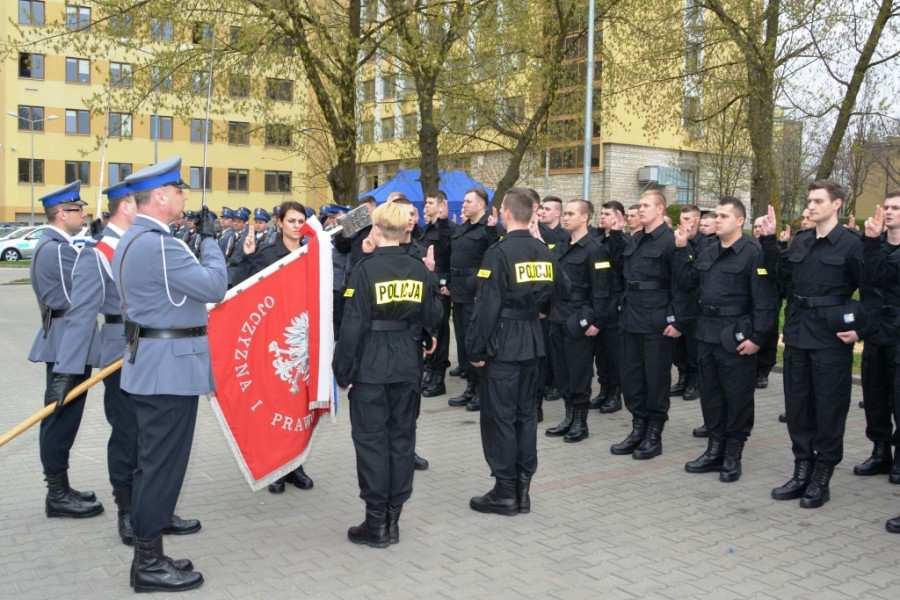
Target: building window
(409,87)
(78,169)
(238,133)
(78,122)
(120,124)
(238,180)
(197,128)
(118,172)
(687,185)
(387,128)
(31,117)
(31,66)
(200,82)
(280,89)
(120,75)
(25,171)
(201,33)
(572,157)
(278,181)
(389,87)
(368,90)
(234,36)
(197,179)
(78,70)
(121,26)
(31,12)
(161,81)
(160,127)
(367,131)
(410,125)
(278,134)
(370,177)
(162,30)
(78,18)
(239,86)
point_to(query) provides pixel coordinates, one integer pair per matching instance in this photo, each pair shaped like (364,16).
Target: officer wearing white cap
(164,290)
(51,280)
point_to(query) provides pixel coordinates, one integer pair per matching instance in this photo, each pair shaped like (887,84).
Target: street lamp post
(31,124)
(589,105)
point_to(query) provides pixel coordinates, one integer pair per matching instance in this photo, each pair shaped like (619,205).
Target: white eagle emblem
(293,363)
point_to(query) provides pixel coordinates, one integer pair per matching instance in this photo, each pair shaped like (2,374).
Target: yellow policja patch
(484,273)
(533,271)
(602,265)
(398,290)
(761,271)
(348,293)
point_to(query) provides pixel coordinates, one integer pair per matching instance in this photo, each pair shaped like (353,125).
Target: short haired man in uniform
(551,212)
(391,308)
(164,290)
(684,356)
(737,308)
(515,285)
(241,228)
(580,310)
(437,236)
(819,273)
(226,241)
(51,279)
(632,219)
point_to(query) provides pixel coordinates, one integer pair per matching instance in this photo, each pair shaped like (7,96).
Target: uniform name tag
(602,265)
(761,271)
(533,271)
(484,273)
(348,293)
(551,246)
(398,290)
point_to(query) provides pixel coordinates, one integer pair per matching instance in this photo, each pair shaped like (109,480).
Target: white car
(22,247)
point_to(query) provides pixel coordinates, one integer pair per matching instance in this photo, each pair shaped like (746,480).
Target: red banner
(271,342)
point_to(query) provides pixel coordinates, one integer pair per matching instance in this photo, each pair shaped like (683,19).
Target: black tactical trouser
(383,424)
(58,431)
(727,385)
(439,360)
(646,374)
(121,450)
(508,418)
(817,399)
(608,355)
(879,374)
(684,353)
(571,359)
(462,314)
(165,435)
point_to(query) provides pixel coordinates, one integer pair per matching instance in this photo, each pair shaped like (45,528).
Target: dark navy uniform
(583,299)
(390,308)
(437,235)
(608,347)
(736,303)
(515,285)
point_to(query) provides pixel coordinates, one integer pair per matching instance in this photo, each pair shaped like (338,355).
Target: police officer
(881,297)
(685,354)
(768,350)
(468,243)
(164,291)
(226,243)
(552,232)
(390,301)
(819,273)
(437,236)
(241,230)
(581,309)
(51,279)
(736,311)
(651,306)
(515,285)
(261,232)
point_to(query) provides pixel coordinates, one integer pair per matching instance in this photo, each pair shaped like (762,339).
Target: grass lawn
(22,264)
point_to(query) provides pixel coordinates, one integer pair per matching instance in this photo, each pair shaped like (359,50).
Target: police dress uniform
(236,251)
(164,291)
(226,243)
(818,276)
(515,285)
(737,300)
(468,243)
(51,279)
(391,300)
(880,294)
(436,235)
(650,303)
(608,346)
(583,299)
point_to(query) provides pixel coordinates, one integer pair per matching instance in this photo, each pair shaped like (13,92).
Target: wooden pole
(48,410)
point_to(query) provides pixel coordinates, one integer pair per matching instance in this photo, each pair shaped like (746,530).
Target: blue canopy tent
(453,183)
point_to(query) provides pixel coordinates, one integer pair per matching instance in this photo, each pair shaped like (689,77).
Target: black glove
(60,385)
(207,225)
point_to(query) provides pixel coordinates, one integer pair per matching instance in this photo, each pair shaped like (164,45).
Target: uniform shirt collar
(833,236)
(736,247)
(391,250)
(63,234)
(518,233)
(115,230)
(156,222)
(658,231)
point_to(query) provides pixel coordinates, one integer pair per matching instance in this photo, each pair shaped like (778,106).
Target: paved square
(601,526)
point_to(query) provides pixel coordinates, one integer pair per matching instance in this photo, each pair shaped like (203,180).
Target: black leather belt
(133,329)
(642,286)
(734,310)
(389,325)
(47,316)
(519,315)
(820,301)
(59,312)
(112,319)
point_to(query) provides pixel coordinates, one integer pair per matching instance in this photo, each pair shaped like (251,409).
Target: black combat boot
(277,486)
(63,502)
(435,386)
(691,391)
(633,440)
(466,396)
(457,371)
(474,404)
(613,401)
(678,388)
(652,444)
(578,430)
(709,461)
(731,466)
(122,497)
(393,523)
(427,374)
(501,500)
(879,463)
(419,463)
(795,487)
(700,432)
(762,382)
(601,397)
(372,532)
(179,526)
(817,492)
(892,525)
(563,427)
(299,478)
(523,493)
(153,571)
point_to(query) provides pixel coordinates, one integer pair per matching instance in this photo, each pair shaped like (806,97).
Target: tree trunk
(428,140)
(760,122)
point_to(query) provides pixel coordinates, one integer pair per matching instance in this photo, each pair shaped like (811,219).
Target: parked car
(17,231)
(22,247)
